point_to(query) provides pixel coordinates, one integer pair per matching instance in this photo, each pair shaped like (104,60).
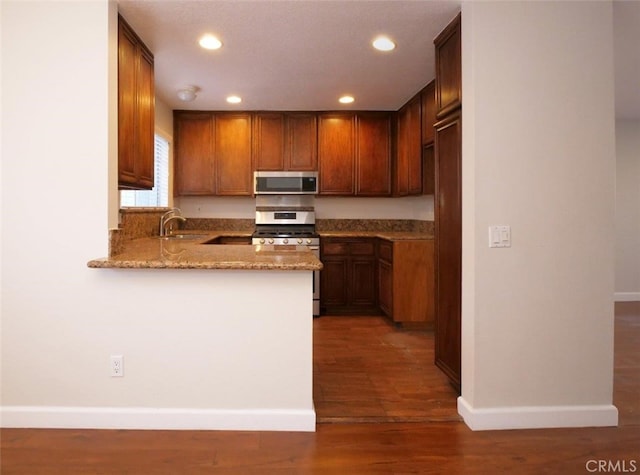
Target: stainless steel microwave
(285,183)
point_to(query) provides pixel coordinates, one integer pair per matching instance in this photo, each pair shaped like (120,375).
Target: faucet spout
(169,216)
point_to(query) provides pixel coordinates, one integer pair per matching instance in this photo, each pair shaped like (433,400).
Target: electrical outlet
(117,366)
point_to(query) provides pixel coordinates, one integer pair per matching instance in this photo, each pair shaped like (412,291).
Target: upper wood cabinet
(407,179)
(136,103)
(373,154)
(268,141)
(212,153)
(448,69)
(285,141)
(232,154)
(354,153)
(428,96)
(193,158)
(336,153)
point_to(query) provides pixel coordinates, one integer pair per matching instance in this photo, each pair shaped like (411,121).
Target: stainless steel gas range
(289,220)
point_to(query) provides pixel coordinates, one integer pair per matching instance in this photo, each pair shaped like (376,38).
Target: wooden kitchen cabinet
(406,280)
(373,154)
(448,249)
(428,97)
(136,104)
(448,69)
(428,169)
(354,154)
(408,164)
(285,141)
(268,141)
(348,278)
(336,153)
(193,157)
(232,154)
(212,153)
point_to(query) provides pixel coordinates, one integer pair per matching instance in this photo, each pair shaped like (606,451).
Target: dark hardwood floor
(353,440)
(368,370)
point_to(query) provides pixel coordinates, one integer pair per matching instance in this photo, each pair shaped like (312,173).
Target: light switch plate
(500,236)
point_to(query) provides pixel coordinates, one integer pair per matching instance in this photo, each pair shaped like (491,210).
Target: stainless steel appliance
(285,183)
(289,220)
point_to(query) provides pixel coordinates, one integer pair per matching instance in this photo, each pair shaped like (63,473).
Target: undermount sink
(184,236)
(229,240)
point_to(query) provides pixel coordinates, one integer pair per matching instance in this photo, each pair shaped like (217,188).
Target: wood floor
(368,370)
(434,441)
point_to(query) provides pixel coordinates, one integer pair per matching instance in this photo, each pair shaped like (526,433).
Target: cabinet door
(373,155)
(193,158)
(428,170)
(145,163)
(362,284)
(268,141)
(428,113)
(414,147)
(408,169)
(127,96)
(448,249)
(448,69)
(301,151)
(233,154)
(385,287)
(336,154)
(136,101)
(333,282)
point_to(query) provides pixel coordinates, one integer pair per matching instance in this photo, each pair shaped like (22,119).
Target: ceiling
(305,54)
(290,55)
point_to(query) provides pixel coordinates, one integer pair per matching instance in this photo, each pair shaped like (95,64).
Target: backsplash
(397,225)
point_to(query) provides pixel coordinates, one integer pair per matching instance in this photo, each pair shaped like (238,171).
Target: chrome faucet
(173,213)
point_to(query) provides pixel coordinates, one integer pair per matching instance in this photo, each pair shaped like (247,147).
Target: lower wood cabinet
(348,279)
(406,280)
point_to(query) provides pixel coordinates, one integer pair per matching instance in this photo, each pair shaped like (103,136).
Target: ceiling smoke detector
(188,94)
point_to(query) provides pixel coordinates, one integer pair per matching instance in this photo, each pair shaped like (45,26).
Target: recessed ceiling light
(234,100)
(210,42)
(383,43)
(346,99)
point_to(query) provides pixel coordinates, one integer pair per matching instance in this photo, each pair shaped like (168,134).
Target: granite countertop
(187,253)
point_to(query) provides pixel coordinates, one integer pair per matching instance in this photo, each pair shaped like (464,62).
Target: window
(159,194)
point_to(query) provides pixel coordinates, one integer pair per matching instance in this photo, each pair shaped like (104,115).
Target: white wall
(538,154)
(415,207)
(627,210)
(198,351)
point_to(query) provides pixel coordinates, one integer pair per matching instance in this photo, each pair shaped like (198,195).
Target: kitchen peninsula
(237,317)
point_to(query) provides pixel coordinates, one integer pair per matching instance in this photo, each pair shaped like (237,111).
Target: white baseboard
(626,296)
(156,418)
(543,417)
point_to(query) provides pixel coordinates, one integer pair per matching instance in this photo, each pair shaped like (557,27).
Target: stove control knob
(285,241)
(308,241)
(261,240)
(300,241)
(271,241)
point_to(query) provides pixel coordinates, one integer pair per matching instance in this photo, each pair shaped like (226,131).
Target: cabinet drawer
(362,248)
(385,250)
(332,248)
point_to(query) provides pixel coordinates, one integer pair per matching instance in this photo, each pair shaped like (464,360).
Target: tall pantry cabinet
(448,202)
